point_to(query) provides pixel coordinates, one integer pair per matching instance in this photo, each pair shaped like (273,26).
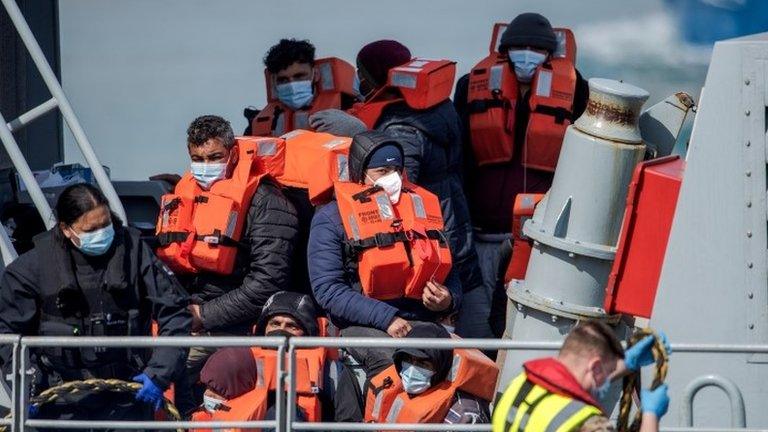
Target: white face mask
(526,62)
(207,174)
(416,380)
(211,403)
(392,184)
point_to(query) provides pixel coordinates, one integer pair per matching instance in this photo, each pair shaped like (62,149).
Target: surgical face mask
(416,380)
(96,242)
(526,62)
(601,392)
(211,403)
(207,174)
(295,94)
(392,184)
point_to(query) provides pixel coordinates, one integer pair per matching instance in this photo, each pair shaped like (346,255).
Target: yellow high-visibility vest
(528,407)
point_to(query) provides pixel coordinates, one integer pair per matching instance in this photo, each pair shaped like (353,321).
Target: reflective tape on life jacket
(313,161)
(525,204)
(200,230)
(398,248)
(252,405)
(334,78)
(471,372)
(492,97)
(422,83)
(528,407)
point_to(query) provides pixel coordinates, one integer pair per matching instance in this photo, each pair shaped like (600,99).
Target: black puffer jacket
(431,140)
(233,303)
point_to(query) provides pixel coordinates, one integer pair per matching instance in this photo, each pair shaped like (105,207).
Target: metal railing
(285,397)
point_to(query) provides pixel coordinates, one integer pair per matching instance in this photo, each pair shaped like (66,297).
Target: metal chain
(631,384)
(95,386)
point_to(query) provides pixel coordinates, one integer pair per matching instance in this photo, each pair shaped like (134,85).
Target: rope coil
(95,385)
(631,385)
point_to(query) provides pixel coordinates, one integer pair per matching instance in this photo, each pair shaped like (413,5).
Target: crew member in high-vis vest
(426,385)
(515,105)
(240,382)
(564,394)
(378,255)
(299,85)
(227,231)
(404,101)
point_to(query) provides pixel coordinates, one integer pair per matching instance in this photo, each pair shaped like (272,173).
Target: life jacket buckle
(212,239)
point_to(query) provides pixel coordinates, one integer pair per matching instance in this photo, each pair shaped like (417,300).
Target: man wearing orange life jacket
(515,106)
(227,231)
(239,382)
(386,262)
(432,385)
(297,86)
(430,134)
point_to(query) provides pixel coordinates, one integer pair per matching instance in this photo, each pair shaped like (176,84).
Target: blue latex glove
(639,354)
(336,122)
(150,393)
(33,411)
(655,401)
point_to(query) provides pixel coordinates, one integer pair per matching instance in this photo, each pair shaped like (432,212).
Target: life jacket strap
(483,105)
(166,238)
(560,114)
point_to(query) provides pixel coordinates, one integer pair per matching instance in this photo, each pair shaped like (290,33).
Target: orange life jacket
(521,245)
(386,401)
(252,405)
(400,247)
(200,230)
(313,161)
(492,99)
(334,78)
(422,83)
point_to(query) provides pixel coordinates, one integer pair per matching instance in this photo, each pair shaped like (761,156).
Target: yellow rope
(95,386)
(631,383)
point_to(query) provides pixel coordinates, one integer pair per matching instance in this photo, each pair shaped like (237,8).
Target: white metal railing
(285,399)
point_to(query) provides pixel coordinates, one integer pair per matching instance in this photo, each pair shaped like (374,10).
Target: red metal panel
(651,203)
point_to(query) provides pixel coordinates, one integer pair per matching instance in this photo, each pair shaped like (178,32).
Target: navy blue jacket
(336,285)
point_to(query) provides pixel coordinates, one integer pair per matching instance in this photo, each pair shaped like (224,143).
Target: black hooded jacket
(441,359)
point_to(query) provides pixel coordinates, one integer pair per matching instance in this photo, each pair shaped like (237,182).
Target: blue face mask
(295,94)
(207,174)
(526,62)
(211,403)
(96,242)
(416,380)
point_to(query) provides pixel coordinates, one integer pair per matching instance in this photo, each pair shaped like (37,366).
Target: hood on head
(300,307)
(363,146)
(442,359)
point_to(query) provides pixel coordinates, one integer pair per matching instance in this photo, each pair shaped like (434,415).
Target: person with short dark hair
(297,88)
(567,391)
(89,275)
(228,231)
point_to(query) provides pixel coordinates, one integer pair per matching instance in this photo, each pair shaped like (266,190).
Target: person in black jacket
(91,276)
(431,141)
(231,304)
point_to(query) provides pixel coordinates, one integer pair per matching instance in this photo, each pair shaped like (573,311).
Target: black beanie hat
(529,29)
(298,306)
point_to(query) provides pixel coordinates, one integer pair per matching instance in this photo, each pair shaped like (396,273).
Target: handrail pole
(291,399)
(28,117)
(66,109)
(280,394)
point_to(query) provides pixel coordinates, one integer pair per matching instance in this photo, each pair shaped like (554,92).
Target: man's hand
(398,328)
(640,354)
(436,297)
(197,320)
(336,122)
